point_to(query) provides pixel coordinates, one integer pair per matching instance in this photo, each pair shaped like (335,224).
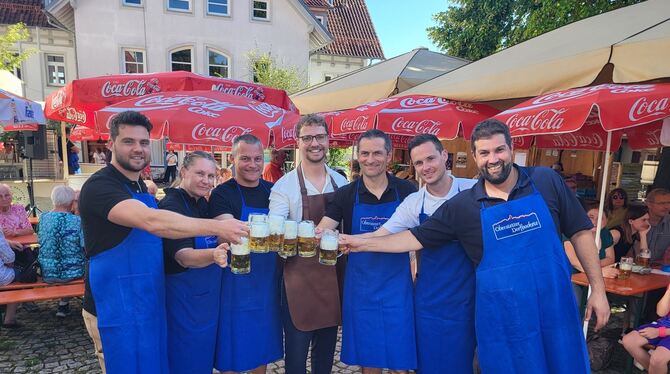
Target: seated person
(656,334)
(61,255)
(7,275)
(631,236)
(13,217)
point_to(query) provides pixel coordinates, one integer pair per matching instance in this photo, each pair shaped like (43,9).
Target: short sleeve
(572,217)
(405,216)
(335,210)
(437,229)
(100,195)
(279,199)
(220,204)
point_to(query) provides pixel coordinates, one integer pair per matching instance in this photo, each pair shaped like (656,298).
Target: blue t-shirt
(458,218)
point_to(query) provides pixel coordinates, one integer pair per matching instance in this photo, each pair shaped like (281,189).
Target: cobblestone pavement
(48,344)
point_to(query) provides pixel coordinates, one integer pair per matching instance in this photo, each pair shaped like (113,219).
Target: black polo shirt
(99,194)
(176,200)
(341,208)
(226,199)
(458,218)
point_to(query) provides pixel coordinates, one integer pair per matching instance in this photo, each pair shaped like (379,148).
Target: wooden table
(631,288)
(24,239)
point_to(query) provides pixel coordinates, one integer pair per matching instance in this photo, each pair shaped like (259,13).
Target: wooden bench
(24,292)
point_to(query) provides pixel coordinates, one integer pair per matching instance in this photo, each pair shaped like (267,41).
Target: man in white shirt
(98,157)
(171,160)
(444,292)
(310,291)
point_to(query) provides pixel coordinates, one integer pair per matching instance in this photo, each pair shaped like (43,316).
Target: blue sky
(401,24)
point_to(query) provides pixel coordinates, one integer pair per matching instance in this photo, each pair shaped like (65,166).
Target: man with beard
(310,291)
(509,224)
(124,301)
(250,330)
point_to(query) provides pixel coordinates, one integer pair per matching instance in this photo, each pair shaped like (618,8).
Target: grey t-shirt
(658,238)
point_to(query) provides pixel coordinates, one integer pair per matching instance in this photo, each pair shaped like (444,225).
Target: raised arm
(395,243)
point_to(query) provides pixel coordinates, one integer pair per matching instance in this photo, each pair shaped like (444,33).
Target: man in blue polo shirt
(509,224)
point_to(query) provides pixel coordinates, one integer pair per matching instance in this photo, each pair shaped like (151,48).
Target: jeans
(297,344)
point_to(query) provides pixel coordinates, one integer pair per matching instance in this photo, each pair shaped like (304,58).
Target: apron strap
(303,189)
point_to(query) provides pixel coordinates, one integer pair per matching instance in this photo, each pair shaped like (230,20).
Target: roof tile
(26,11)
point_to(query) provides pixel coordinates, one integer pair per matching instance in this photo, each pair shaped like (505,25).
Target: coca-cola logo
(251,92)
(266,110)
(196,104)
(202,131)
(287,134)
(358,124)
(643,109)
(374,104)
(518,142)
(578,140)
(73,115)
(130,88)
(431,101)
(653,137)
(548,119)
(58,99)
(424,126)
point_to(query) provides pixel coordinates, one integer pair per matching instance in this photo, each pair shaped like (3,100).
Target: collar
(523,181)
(184,194)
(392,184)
(139,184)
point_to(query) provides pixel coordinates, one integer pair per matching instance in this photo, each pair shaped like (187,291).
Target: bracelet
(662,333)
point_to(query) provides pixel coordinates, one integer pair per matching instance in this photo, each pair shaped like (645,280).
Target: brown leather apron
(314,291)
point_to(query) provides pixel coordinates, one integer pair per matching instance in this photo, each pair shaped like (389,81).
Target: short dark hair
(310,120)
(425,138)
(487,128)
(372,134)
(128,118)
(596,206)
(246,138)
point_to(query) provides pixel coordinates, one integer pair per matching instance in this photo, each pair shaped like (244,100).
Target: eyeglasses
(617,197)
(321,138)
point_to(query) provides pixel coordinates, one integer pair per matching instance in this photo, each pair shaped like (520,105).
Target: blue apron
(192,303)
(127,283)
(378,309)
(250,330)
(444,308)
(526,315)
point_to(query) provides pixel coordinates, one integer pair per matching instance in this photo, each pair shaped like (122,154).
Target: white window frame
(267,11)
(124,62)
(56,64)
(207,12)
(189,10)
(126,3)
(226,55)
(178,49)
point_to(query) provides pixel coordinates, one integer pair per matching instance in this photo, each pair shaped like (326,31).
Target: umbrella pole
(601,205)
(63,143)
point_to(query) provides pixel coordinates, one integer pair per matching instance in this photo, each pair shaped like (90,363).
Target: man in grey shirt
(658,202)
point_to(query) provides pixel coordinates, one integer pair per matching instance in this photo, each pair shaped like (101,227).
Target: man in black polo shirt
(509,224)
(378,298)
(124,277)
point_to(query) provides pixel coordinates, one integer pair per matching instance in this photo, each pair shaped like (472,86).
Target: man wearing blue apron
(526,316)
(444,294)
(124,301)
(193,268)
(378,308)
(250,330)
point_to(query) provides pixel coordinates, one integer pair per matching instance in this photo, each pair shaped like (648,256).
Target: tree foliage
(10,59)
(474,29)
(268,72)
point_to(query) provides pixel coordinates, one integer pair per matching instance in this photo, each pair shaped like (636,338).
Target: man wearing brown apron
(311,292)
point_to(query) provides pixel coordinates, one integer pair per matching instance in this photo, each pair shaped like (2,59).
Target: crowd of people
(160,296)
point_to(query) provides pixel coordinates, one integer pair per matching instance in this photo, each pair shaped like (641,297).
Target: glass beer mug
(290,247)
(240,259)
(258,237)
(328,247)
(306,239)
(276,238)
(625,267)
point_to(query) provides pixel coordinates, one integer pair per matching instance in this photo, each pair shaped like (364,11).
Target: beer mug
(276,239)
(306,239)
(257,217)
(625,267)
(258,237)
(290,247)
(328,248)
(643,258)
(240,259)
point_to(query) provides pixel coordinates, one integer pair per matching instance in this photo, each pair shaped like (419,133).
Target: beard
(313,158)
(125,163)
(500,178)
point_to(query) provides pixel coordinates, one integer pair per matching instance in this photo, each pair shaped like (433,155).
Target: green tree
(268,72)
(9,58)
(340,157)
(474,29)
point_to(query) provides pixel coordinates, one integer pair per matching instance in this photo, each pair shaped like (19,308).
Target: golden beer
(625,268)
(258,237)
(240,259)
(276,238)
(290,245)
(328,252)
(306,239)
(642,261)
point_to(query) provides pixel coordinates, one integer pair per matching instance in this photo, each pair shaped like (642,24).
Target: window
(132,2)
(218,7)
(56,70)
(260,10)
(181,60)
(327,77)
(133,61)
(179,5)
(217,64)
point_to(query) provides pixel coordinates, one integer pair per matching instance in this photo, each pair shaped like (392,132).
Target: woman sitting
(13,217)
(61,240)
(616,207)
(7,275)
(632,232)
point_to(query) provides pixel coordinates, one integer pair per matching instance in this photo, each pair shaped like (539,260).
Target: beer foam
(290,229)
(257,217)
(306,229)
(329,243)
(259,230)
(240,249)
(276,224)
